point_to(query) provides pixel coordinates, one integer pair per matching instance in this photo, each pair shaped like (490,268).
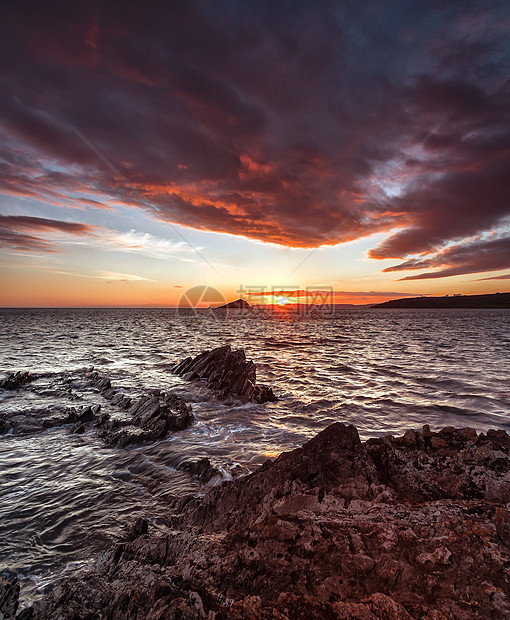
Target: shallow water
(63,497)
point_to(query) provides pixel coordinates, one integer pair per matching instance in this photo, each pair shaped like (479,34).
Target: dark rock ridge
(226,371)
(15,380)
(202,468)
(150,417)
(147,417)
(26,422)
(238,304)
(414,527)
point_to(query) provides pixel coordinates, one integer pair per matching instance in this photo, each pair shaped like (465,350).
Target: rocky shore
(227,372)
(397,528)
(135,419)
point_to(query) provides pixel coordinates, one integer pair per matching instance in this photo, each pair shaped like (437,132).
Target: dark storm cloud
(12,235)
(474,257)
(270,120)
(17,222)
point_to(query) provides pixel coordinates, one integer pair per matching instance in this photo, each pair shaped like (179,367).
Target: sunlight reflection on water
(62,497)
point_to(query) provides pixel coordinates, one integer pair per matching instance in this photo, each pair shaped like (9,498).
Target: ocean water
(63,497)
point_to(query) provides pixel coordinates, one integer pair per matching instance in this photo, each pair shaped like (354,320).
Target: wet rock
(191,376)
(336,529)
(86,415)
(9,594)
(202,469)
(139,528)
(15,380)
(227,372)
(30,421)
(152,415)
(152,418)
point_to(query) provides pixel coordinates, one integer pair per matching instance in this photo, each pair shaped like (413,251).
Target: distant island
(238,304)
(495,300)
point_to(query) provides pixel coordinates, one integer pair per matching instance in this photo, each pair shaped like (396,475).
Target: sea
(66,497)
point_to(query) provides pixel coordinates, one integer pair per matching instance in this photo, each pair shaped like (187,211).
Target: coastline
(410,527)
(414,526)
(493,301)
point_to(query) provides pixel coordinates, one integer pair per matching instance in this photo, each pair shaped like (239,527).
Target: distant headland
(495,300)
(238,304)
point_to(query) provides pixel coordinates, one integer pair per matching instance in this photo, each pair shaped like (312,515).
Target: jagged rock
(139,528)
(31,421)
(226,371)
(9,594)
(152,419)
(15,380)
(153,415)
(202,469)
(388,528)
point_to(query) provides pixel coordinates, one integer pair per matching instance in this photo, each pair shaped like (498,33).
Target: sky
(146,149)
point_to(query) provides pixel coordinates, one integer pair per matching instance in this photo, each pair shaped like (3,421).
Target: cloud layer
(269,120)
(13,235)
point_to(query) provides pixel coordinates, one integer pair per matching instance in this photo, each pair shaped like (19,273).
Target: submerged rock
(202,468)
(226,371)
(414,527)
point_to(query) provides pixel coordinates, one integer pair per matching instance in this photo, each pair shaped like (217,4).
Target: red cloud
(246,121)
(40,223)
(16,241)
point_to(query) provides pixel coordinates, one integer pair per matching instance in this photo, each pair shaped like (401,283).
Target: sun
(282,301)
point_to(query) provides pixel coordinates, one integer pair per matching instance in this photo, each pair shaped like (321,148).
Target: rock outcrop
(414,527)
(238,304)
(227,372)
(141,418)
(15,380)
(9,594)
(150,416)
(201,468)
(36,420)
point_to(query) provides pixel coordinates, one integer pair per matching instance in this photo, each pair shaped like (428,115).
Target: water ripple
(63,497)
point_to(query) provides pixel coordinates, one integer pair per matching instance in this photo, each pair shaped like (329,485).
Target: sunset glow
(249,146)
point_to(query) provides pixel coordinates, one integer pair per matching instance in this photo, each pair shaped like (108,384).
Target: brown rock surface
(390,528)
